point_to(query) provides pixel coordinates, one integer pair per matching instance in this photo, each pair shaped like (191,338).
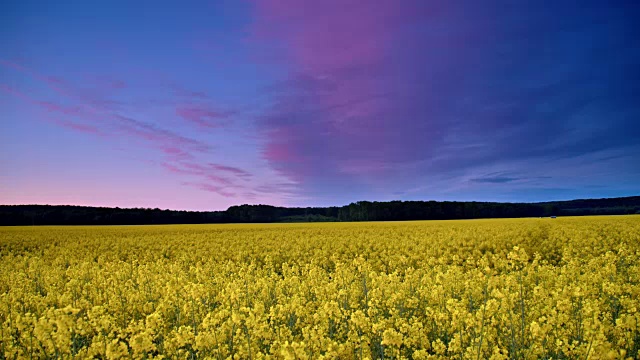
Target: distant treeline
(359,211)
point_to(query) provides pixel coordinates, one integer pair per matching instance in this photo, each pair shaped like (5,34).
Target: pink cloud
(102,85)
(340,58)
(54,83)
(280,152)
(15,92)
(203,117)
(219,180)
(176,153)
(329,34)
(229,181)
(209,171)
(159,137)
(91,112)
(216,189)
(81,127)
(220,190)
(90,102)
(359,97)
(204,172)
(55,108)
(52,107)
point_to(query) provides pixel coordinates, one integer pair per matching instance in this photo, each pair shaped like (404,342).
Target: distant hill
(358,211)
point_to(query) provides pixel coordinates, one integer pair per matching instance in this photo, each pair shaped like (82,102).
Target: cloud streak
(204,117)
(92,114)
(495,179)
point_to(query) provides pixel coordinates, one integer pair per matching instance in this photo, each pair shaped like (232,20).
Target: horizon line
(335,206)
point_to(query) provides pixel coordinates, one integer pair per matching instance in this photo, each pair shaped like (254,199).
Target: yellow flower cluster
(567,288)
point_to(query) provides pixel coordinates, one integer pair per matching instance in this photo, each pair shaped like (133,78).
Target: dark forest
(358,211)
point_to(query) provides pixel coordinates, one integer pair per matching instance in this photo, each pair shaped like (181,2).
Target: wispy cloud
(495,179)
(233,170)
(54,110)
(95,112)
(90,113)
(218,178)
(204,117)
(220,190)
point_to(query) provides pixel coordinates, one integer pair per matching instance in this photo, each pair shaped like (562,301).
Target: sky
(200,105)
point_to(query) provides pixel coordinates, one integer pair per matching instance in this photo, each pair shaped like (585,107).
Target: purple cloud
(351,102)
(399,92)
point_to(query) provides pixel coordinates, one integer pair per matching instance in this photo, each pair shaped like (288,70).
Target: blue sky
(202,105)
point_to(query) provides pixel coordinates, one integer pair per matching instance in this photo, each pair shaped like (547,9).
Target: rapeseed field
(566,288)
